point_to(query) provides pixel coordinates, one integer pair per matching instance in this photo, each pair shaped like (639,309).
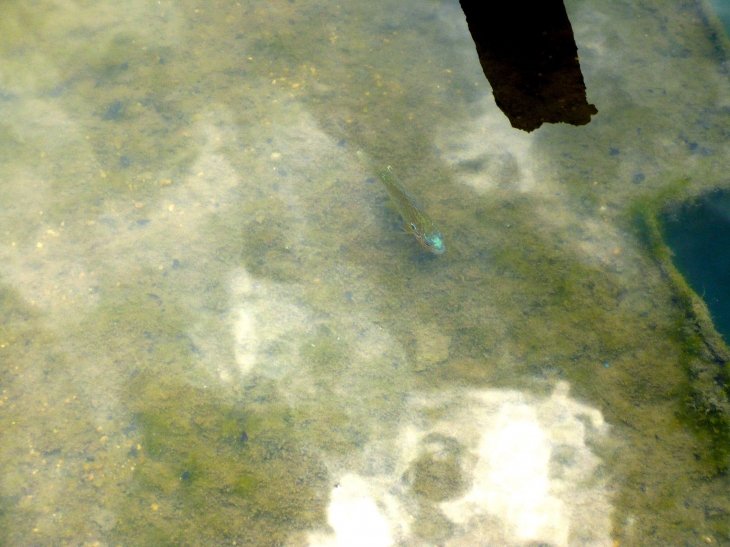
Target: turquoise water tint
(721,8)
(699,235)
(214,332)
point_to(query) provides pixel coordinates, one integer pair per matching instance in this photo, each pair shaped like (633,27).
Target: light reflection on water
(212,333)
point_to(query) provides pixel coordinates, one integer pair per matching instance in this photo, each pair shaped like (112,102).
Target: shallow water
(212,333)
(699,235)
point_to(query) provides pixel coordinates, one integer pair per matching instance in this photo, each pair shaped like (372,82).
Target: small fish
(415,221)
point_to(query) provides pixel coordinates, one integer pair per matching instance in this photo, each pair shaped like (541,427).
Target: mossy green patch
(704,356)
(432,525)
(6,513)
(437,474)
(324,352)
(196,457)
(437,479)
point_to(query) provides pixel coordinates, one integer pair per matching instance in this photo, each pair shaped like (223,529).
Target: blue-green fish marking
(415,220)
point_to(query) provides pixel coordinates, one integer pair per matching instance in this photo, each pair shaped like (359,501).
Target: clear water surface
(211,333)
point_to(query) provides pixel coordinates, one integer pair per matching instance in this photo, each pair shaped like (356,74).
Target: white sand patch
(532,468)
(487,153)
(358,520)
(268,326)
(529,476)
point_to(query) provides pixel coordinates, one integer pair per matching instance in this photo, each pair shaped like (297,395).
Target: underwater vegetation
(698,233)
(213,461)
(705,356)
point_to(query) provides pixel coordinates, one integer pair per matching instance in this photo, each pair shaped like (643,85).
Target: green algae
(704,357)
(195,457)
(6,514)
(193,460)
(325,356)
(544,299)
(430,524)
(437,477)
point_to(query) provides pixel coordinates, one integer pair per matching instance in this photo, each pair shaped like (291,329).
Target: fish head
(433,241)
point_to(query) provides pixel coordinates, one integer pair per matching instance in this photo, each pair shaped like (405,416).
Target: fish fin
(398,227)
(391,206)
